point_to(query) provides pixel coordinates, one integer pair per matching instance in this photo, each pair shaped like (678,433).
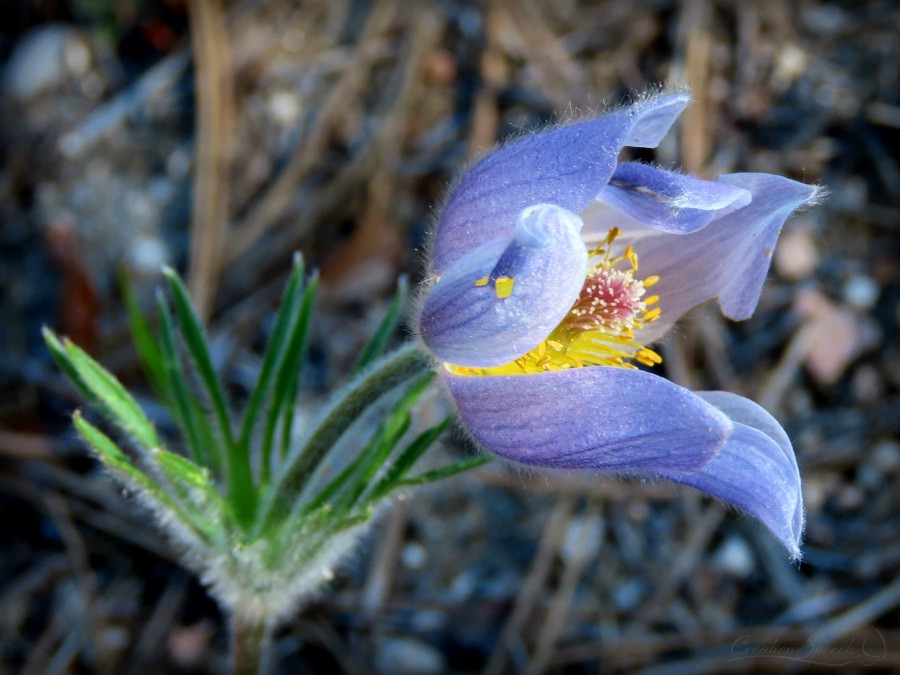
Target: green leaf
(103,389)
(241,492)
(186,410)
(61,357)
(358,467)
(148,351)
(202,500)
(447,471)
(388,324)
(410,455)
(335,485)
(182,469)
(394,369)
(135,479)
(109,452)
(275,350)
(295,356)
(195,341)
(287,377)
(383,441)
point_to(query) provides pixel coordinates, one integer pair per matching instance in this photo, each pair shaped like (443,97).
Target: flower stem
(385,374)
(251,644)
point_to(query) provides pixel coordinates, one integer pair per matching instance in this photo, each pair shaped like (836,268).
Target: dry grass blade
(533,584)
(583,537)
(214,137)
(696,43)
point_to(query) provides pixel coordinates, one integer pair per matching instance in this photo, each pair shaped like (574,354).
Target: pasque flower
(555,267)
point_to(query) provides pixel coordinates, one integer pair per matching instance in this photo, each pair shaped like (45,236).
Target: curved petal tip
(756,470)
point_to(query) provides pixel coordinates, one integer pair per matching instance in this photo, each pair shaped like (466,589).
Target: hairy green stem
(385,374)
(251,644)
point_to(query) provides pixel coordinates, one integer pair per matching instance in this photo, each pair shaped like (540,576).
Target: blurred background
(219,137)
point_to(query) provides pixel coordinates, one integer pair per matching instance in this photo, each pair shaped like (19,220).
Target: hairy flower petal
(566,166)
(611,419)
(754,473)
(669,201)
(728,259)
(472,325)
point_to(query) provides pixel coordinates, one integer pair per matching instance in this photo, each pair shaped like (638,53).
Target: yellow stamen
(600,328)
(649,355)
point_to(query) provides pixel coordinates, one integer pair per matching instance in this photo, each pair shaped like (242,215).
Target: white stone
(735,557)
(861,292)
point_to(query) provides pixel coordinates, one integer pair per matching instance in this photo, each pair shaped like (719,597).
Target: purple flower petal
(756,471)
(774,199)
(566,166)
(471,325)
(611,419)
(669,201)
(728,259)
(751,414)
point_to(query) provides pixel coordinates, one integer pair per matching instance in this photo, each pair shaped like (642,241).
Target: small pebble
(851,498)
(867,383)
(582,539)
(406,656)
(796,256)
(186,645)
(42,60)
(735,557)
(869,476)
(284,107)
(886,456)
(791,62)
(637,512)
(627,595)
(861,292)
(413,556)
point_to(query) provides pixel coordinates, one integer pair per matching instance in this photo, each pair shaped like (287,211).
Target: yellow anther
(504,287)
(652,300)
(558,346)
(652,315)
(612,234)
(648,355)
(483,281)
(650,281)
(632,259)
